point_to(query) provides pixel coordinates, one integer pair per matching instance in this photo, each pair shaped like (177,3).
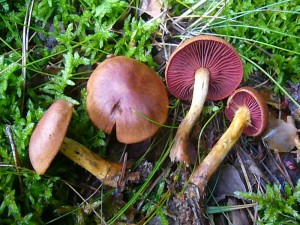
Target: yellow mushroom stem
(108,172)
(179,150)
(213,160)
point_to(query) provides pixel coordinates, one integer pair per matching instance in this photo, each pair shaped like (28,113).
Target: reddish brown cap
(259,113)
(121,91)
(48,135)
(215,54)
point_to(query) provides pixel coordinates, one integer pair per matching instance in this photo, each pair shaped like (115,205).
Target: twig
(260,48)
(25,41)
(14,152)
(121,181)
(244,171)
(150,188)
(85,201)
(283,170)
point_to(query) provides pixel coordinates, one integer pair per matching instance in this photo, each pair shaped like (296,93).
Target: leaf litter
(151,7)
(281,135)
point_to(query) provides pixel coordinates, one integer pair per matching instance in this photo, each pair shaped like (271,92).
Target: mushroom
(248,114)
(49,134)
(203,67)
(126,96)
(48,138)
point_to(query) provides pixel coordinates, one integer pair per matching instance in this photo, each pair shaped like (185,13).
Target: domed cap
(48,135)
(125,94)
(213,53)
(247,96)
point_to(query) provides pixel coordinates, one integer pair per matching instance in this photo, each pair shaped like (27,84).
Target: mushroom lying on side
(248,114)
(202,67)
(48,138)
(126,96)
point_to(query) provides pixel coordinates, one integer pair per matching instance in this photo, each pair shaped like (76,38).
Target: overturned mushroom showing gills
(248,114)
(126,96)
(203,67)
(48,138)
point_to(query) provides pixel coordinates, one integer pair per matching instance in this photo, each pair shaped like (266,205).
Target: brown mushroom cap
(213,53)
(121,91)
(48,135)
(247,96)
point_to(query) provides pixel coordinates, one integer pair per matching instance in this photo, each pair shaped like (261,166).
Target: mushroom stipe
(108,172)
(203,67)
(48,138)
(117,89)
(249,115)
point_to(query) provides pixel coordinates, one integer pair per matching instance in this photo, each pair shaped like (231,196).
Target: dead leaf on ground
(226,182)
(224,185)
(280,135)
(252,167)
(238,216)
(151,7)
(268,96)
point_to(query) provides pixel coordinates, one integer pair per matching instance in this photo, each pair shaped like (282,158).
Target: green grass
(51,55)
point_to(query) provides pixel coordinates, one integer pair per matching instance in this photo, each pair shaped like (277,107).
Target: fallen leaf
(151,7)
(280,135)
(252,165)
(238,216)
(226,183)
(269,98)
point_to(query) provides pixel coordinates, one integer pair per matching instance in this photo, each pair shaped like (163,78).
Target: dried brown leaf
(270,99)
(151,7)
(280,135)
(227,182)
(238,216)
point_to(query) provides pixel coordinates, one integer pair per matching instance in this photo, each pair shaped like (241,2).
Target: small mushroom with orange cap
(128,97)
(48,138)
(203,67)
(248,114)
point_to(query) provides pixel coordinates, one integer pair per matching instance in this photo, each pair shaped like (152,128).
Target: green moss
(276,206)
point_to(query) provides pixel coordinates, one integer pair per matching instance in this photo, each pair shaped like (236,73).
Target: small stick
(25,40)
(14,152)
(121,181)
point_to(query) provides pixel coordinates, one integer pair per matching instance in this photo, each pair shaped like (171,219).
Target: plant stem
(108,172)
(213,160)
(179,151)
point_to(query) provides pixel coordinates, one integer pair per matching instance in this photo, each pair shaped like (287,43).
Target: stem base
(213,160)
